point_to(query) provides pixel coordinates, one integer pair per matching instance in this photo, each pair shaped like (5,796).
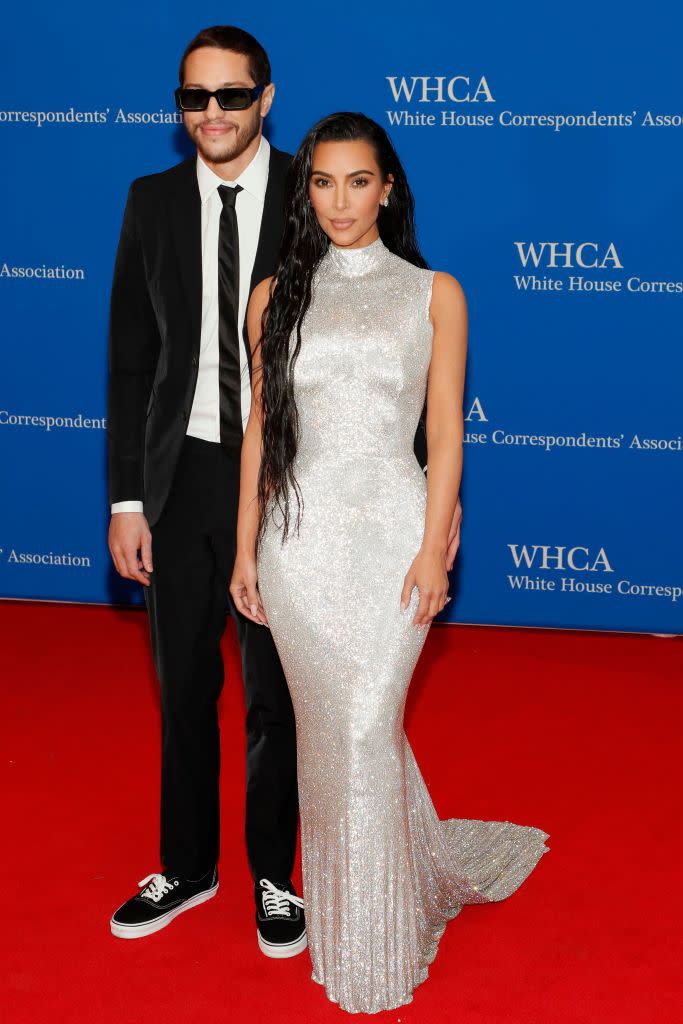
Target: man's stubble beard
(241,140)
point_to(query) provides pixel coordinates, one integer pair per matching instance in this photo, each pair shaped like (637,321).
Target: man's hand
(454,536)
(130,543)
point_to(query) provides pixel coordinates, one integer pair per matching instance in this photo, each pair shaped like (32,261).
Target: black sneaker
(162,898)
(280,923)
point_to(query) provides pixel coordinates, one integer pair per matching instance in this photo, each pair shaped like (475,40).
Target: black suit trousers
(193,548)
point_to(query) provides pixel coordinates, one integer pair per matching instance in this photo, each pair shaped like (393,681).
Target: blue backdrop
(544,147)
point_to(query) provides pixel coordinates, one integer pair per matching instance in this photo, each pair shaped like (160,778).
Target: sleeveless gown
(381,873)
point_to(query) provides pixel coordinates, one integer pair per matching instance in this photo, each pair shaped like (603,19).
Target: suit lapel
(271,227)
(269,234)
(186,220)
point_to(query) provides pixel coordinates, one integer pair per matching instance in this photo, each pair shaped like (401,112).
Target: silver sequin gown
(381,873)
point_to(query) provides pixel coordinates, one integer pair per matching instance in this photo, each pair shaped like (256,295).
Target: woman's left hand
(428,574)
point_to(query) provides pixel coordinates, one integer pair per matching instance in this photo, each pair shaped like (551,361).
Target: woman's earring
(385,201)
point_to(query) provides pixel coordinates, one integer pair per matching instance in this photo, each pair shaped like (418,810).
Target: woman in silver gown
(356,332)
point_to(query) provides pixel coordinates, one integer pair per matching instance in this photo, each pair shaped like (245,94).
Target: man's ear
(267,97)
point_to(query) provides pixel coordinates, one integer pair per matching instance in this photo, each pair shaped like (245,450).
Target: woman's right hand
(244,590)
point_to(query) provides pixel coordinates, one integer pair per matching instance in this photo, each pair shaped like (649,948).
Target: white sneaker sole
(138,931)
(281,950)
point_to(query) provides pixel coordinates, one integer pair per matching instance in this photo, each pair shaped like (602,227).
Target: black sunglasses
(228,99)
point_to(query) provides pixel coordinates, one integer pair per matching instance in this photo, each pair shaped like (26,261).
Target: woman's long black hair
(303,245)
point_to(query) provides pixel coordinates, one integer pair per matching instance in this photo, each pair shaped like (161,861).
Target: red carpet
(576,733)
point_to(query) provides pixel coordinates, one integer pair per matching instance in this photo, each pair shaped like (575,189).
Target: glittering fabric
(382,874)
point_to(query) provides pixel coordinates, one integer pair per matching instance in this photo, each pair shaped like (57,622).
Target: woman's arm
(243,586)
(445,431)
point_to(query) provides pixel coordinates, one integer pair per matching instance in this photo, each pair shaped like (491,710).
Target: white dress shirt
(204,419)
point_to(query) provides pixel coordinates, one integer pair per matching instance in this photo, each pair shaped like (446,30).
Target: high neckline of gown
(356,262)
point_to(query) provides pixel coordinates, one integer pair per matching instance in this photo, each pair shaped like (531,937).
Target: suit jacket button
(185,416)
(195,361)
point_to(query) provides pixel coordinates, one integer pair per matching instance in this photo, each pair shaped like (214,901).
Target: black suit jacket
(155,326)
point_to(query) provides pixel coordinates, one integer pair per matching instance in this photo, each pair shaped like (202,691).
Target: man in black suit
(195,241)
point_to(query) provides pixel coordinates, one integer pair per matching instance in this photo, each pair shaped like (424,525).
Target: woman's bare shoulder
(448,296)
(257,303)
(261,294)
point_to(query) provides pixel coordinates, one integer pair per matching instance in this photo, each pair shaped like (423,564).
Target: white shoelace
(276,901)
(158,886)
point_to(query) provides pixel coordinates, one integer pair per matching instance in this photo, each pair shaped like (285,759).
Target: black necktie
(229,379)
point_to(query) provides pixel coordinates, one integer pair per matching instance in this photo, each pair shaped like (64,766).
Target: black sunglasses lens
(228,99)
(193,99)
(233,99)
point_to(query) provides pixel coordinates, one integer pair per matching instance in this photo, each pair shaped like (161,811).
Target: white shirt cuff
(126,506)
